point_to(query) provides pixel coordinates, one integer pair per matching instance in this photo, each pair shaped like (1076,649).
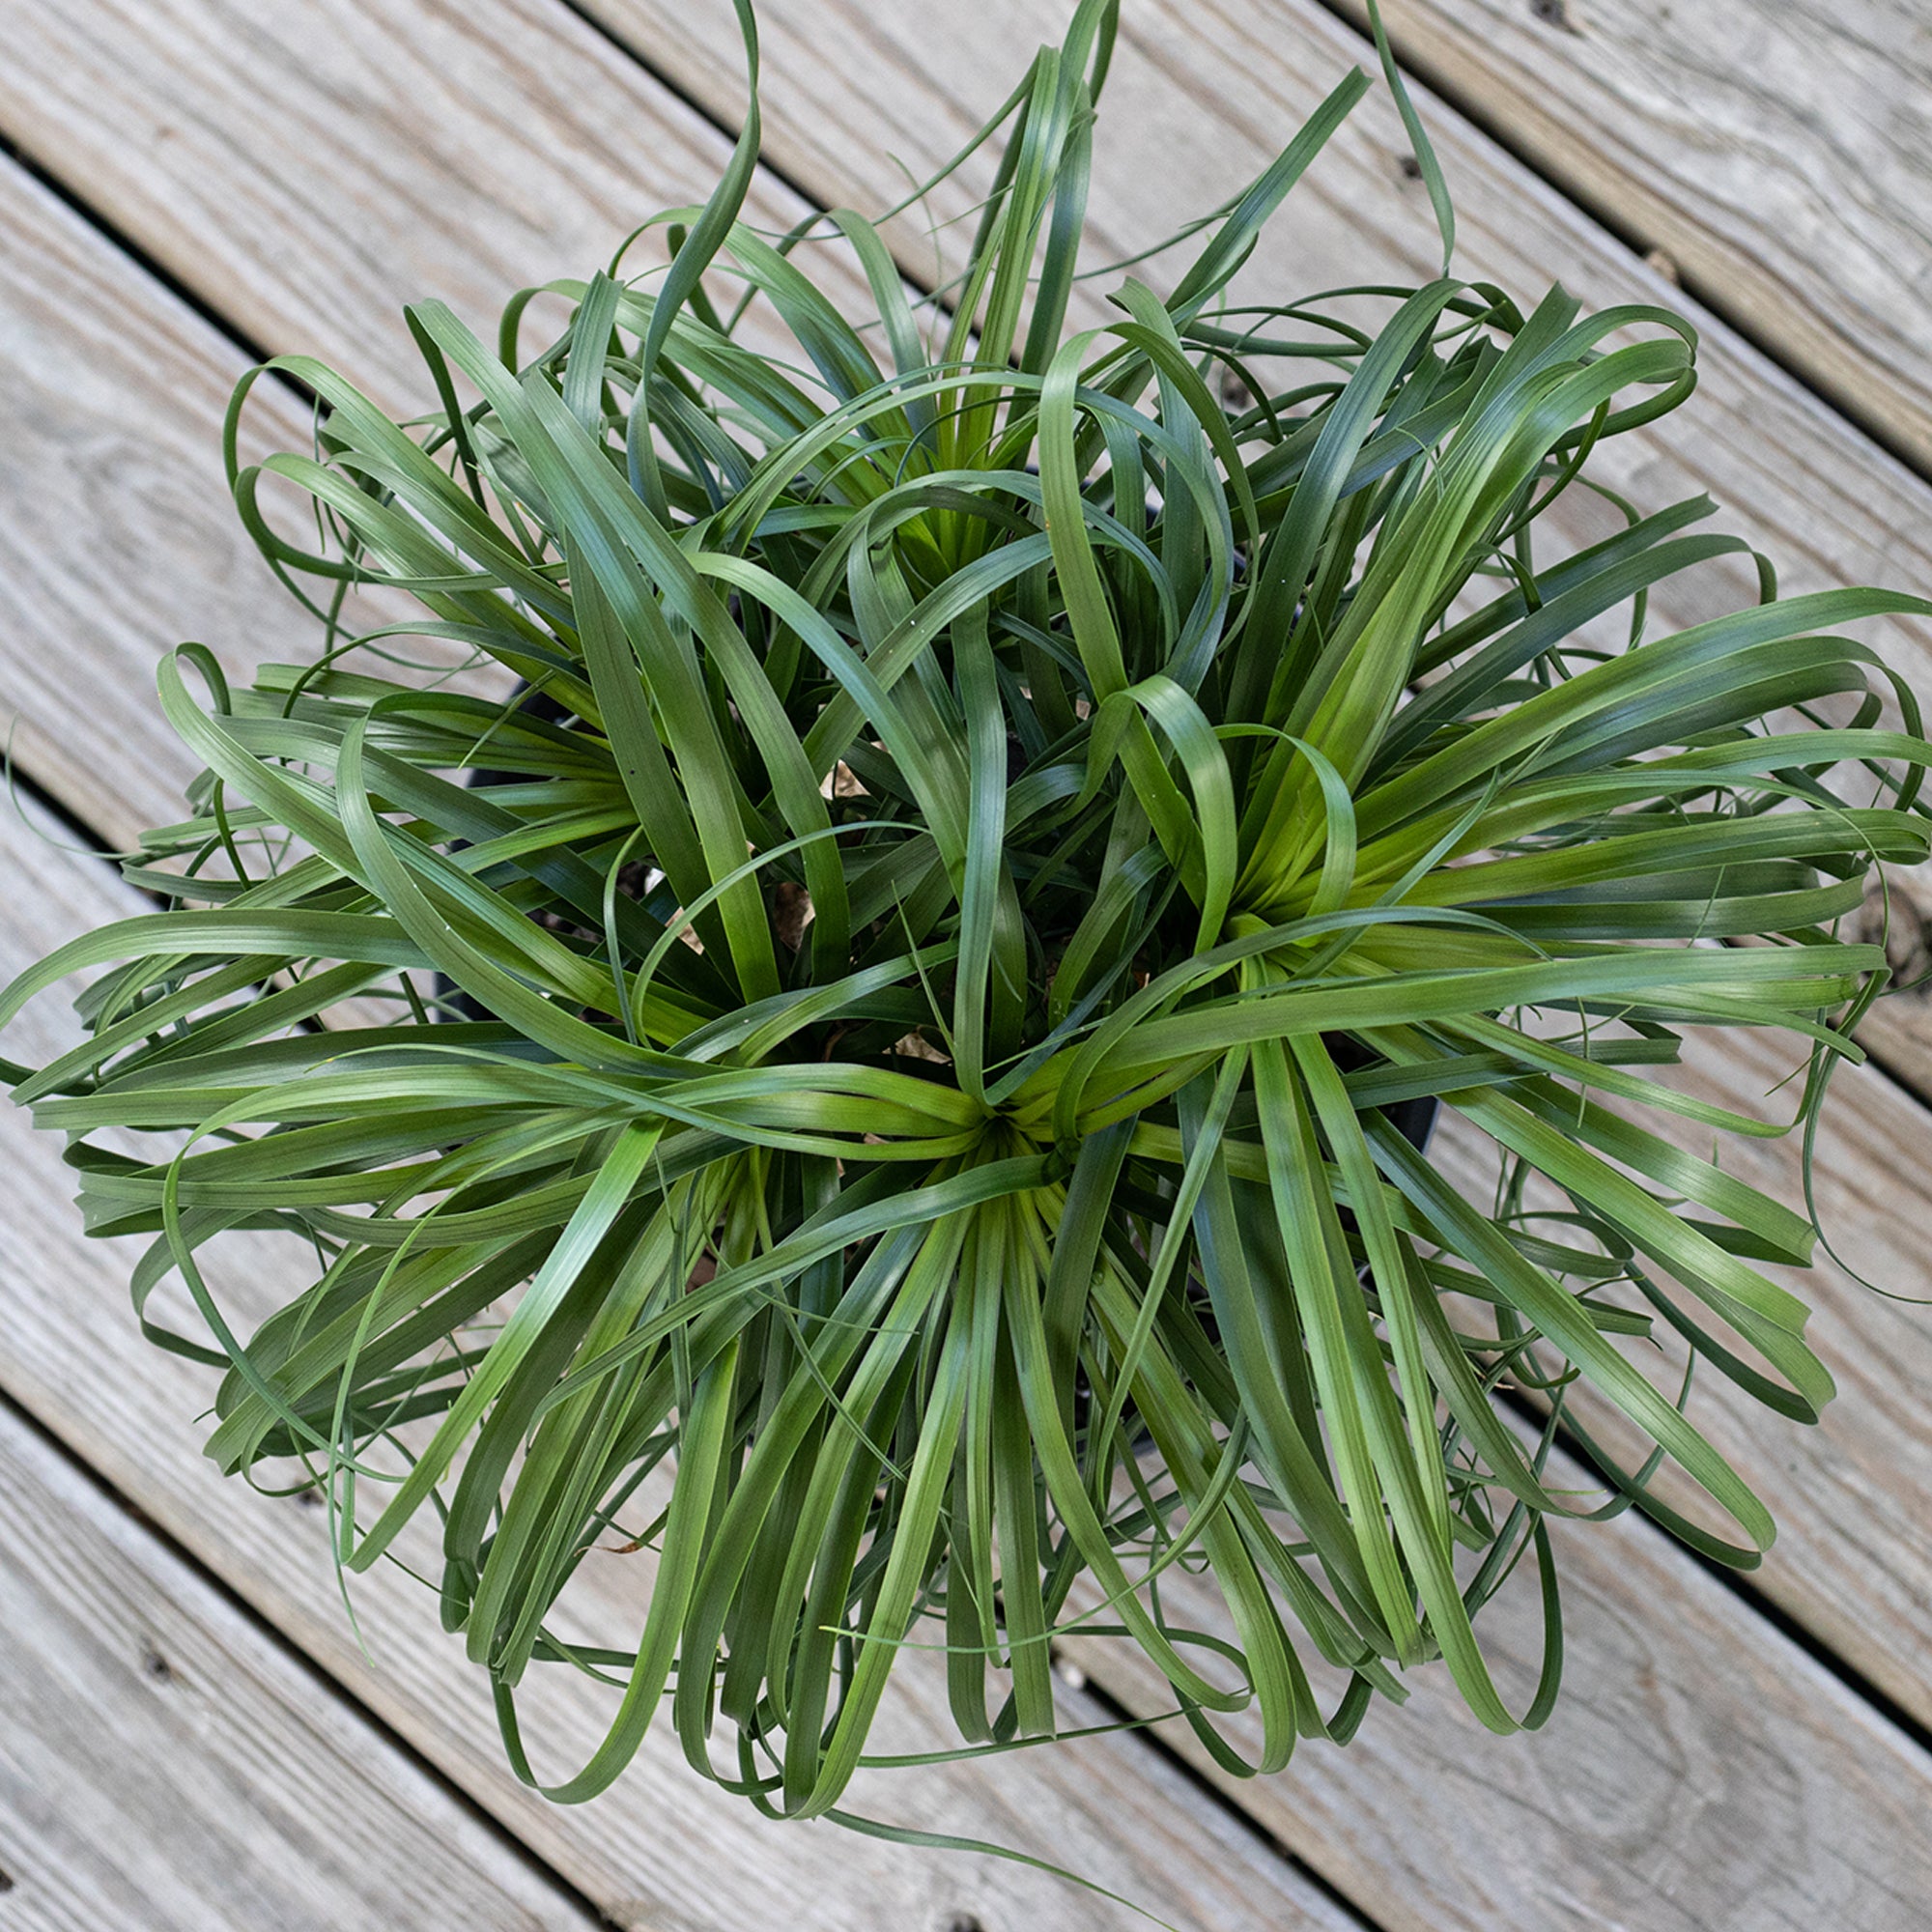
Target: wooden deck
(185,1739)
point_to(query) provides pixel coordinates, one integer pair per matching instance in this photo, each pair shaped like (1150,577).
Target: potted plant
(902,1105)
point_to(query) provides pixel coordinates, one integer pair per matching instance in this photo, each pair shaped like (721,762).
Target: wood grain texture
(307,175)
(389,164)
(662,1852)
(117,536)
(1700,1774)
(310,168)
(1777,152)
(167,1766)
(1898,1029)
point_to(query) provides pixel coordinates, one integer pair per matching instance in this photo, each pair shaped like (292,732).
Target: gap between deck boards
(285,1647)
(1617,223)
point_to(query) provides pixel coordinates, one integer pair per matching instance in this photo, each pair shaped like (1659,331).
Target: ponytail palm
(885,1098)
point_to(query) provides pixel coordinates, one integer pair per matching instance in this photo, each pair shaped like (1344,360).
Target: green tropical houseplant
(889,1102)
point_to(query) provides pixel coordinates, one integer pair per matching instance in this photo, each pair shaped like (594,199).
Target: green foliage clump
(890,1095)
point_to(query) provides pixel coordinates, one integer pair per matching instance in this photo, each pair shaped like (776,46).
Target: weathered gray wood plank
(117,536)
(1700,1774)
(309,170)
(662,1851)
(1777,152)
(167,1766)
(137,140)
